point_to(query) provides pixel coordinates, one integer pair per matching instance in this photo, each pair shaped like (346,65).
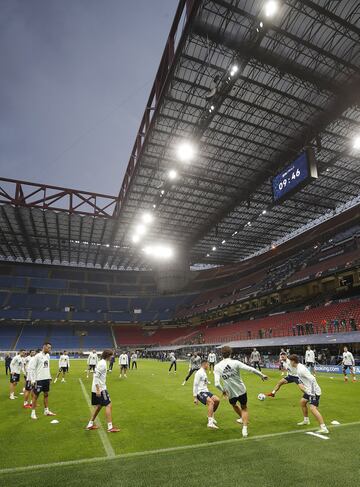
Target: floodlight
(264,212)
(234,69)
(147,217)
(224,241)
(135,238)
(172,174)
(140,229)
(356,143)
(214,248)
(270,8)
(185,152)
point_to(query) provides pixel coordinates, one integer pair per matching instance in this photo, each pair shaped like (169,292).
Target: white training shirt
(255,356)
(134,357)
(16,364)
(99,377)
(308,380)
(228,371)
(288,367)
(64,361)
(123,359)
(26,361)
(92,358)
(39,367)
(348,358)
(212,358)
(172,357)
(310,356)
(200,382)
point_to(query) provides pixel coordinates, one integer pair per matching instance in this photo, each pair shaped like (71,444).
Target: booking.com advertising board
(331,369)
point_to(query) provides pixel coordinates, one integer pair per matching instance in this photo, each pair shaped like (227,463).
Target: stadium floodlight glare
(234,69)
(147,217)
(235,233)
(185,152)
(270,8)
(172,174)
(264,212)
(135,238)
(356,143)
(207,255)
(159,251)
(224,241)
(140,229)
(249,224)
(214,248)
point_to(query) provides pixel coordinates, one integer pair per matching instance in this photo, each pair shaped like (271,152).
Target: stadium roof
(296,86)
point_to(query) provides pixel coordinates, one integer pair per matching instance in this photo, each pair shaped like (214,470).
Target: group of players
(35,365)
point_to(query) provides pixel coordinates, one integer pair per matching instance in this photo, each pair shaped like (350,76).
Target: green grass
(154,411)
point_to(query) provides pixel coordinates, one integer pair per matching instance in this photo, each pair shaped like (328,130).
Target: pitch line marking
(318,435)
(110,453)
(161,450)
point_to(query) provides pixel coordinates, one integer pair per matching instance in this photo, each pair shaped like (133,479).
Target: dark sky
(75,77)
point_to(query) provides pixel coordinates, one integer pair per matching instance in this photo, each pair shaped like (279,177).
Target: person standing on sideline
(255,359)
(64,365)
(99,395)
(40,376)
(124,364)
(348,362)
(212,360)
(172,362)
(194,365)
(16,367)
(7,364)
(134,358)
(310,359)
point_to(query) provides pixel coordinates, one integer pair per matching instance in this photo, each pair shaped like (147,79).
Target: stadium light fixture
(214,248)
(249,224)
(264,212)
(207,255)
(234,69)
(147,218)
(235,233)
(159,251)
(356,143)
(135,238)
(271,7)
(172,174)
(185,152)
(223,242)
(140,229)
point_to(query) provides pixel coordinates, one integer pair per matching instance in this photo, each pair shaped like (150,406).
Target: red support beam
(46,197)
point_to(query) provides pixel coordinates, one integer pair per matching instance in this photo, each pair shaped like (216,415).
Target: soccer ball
(261,397)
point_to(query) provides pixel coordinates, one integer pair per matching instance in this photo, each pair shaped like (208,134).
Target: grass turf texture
(154,411)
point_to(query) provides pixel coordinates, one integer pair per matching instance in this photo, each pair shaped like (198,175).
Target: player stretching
(64,365)
(16,367)
(172,362)
(348,362)
(28,386)
(39,373)
(194,365)
(228,371)
(212,360)
(124,364)
(92,361)
(255,359)
(312,393)
(99,395)
(290,378)
(310,359)
(201,393)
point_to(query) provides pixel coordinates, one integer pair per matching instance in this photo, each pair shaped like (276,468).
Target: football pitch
(164,439)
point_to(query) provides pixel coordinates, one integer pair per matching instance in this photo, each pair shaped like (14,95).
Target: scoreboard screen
(295,176)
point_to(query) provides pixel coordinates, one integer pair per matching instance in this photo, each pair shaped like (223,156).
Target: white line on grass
(162,450)
(110,453)
(318,435)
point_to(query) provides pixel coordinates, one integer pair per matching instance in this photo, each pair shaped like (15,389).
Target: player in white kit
(201,393)
(40,376)
(64,365)
(312,393)
(348,362)
(16,367)
(212,360)
(92,361)
(310,359)
(290,378)
(99,395)
(229,382)
(28,386)
(124,364)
